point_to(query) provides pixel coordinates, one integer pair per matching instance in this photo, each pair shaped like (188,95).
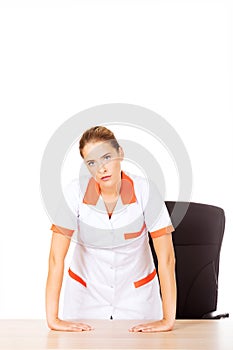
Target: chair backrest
(197,242)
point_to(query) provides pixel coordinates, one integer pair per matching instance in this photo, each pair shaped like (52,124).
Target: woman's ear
(121,153)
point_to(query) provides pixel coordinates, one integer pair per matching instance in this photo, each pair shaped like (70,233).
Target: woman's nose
(102,168)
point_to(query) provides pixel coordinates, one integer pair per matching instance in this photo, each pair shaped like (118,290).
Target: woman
(112,274)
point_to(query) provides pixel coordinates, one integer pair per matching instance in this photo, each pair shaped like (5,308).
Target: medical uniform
(112,273)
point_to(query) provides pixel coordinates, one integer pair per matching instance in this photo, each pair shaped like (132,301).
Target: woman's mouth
(106,178)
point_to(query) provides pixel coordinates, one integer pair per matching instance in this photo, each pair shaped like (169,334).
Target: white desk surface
(114,334)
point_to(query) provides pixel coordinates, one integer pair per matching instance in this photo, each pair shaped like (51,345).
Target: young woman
(112,274)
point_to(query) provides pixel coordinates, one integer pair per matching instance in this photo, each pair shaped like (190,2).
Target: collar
(127,191)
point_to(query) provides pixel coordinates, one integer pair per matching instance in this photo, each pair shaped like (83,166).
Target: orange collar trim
(127,191)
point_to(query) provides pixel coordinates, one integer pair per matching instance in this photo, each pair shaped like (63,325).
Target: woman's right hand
(69,326)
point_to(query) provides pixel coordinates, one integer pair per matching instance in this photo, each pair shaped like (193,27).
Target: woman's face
(104,162)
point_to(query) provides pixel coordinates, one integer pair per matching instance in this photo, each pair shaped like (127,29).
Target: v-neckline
(112,208)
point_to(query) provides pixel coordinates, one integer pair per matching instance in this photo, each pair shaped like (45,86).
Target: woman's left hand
(156,326)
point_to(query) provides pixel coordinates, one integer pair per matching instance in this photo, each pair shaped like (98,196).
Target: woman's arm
(166,268)
(59,247)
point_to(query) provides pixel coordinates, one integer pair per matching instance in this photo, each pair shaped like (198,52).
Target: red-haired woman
(112,273)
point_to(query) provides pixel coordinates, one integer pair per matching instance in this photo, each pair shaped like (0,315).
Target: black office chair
(197,242)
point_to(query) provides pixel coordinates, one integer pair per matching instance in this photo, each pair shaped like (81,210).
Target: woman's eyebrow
(106,154)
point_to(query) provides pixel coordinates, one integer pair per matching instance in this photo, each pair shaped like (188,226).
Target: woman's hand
(156,326)
(69,326)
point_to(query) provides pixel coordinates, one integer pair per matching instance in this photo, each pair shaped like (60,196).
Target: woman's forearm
(168,290)
(53,289)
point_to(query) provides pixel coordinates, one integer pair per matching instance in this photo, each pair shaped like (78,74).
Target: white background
(61,57)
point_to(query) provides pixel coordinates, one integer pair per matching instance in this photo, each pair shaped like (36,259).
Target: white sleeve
(65,221)
(156,215)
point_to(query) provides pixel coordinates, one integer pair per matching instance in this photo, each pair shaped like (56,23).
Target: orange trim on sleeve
(62,230)
(77,278)
(145,280)
(162,231)
(134,234)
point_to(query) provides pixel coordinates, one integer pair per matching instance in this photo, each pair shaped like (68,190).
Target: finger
(139,330)
(148,330)
(73,328)
(77,327)
(136,329)
(84,326)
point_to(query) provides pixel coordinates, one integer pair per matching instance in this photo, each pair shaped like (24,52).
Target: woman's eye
(91,164)
(107,157)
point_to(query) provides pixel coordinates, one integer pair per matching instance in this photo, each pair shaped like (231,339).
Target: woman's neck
(111,193)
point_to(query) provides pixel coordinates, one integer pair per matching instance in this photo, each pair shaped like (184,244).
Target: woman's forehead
(97,149)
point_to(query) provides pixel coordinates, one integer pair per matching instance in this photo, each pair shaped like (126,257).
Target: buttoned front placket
(112,271)
(110,251)
(114,223)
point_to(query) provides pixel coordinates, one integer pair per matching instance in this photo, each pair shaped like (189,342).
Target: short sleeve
(65,220)
(156,215)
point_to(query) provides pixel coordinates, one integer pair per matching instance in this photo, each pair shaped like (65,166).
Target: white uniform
(112,272)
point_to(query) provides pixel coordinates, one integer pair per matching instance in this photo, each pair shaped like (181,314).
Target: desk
(113,334)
